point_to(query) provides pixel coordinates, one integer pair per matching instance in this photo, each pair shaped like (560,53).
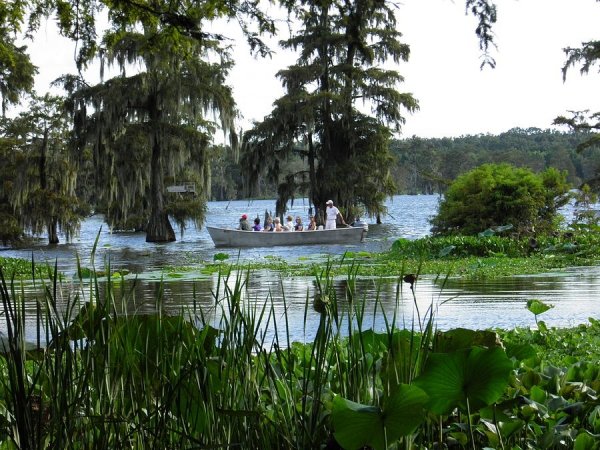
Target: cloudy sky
(456,97)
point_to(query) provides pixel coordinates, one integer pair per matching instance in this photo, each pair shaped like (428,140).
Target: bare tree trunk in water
(52,231)
(52,221)
(378,219)
(159,228)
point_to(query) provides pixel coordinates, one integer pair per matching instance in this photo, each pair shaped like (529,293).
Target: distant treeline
(425,166)
(429,165)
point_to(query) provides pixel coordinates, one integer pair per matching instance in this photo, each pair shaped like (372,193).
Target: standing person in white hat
(332,213)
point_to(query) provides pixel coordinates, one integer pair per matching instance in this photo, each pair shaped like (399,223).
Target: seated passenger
(277,224)
(244,225)
(298,226)
(269,225)
(312,224)
(256,226)
(289,224)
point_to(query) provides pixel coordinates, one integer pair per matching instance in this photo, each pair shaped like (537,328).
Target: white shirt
(332,213)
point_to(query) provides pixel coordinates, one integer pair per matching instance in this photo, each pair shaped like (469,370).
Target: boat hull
(224,237)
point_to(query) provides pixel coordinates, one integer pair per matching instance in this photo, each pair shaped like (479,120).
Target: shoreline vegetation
(110,379)
(476,257)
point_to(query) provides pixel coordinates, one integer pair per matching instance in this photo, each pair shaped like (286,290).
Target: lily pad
(357,425)
(473,376)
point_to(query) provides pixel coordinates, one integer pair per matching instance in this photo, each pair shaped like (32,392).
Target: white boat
(228,237)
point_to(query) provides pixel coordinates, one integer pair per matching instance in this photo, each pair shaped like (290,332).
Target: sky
(456,97)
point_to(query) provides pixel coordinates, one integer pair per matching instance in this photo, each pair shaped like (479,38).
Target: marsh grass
(101,375)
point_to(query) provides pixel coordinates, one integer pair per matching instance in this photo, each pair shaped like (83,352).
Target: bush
(493,195)
(460,246)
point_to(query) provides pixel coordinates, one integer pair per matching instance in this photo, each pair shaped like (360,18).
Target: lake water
(573,292)
(408,217)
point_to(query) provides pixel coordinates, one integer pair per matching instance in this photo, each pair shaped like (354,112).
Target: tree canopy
(16,70)
(587,56)
(429,165)
(342,48)
(495,195)
(144,129)
(150,127)
(43,172)
(153,126)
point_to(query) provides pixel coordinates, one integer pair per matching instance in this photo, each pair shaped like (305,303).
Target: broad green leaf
(460,437)
(357,425)
(585,442)
(220,256)
(508,428)
(538,307)
(403,411)
(459,338)
(371,342)
(537,394)
(521,352)
(477,375)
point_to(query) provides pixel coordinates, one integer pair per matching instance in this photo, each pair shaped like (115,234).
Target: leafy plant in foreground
(228,374)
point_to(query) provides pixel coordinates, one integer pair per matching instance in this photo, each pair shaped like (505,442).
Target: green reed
(109,377)
(233,377)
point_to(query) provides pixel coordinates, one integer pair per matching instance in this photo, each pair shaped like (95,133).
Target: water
(408,217)
(457,303)
(501,303)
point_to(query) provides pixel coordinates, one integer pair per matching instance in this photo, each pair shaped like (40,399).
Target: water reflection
(456,303)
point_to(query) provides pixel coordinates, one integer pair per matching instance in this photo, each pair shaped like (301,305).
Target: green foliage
(585,215)
(155,124)
(33,148)
(10,231)
(538,307)
(177,381)
(467,379)
(459,246)
(586,56)
(23,269)
(341,50)
(427,166)
(182,209)
(359,425)
(16,69)
(497,195)
(220,256)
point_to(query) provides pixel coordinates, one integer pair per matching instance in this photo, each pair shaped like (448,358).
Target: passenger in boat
(312,224)
(244,225)
(289,224)
(269,225)
(332,214)
(299,226)
(277,224)
(256,226)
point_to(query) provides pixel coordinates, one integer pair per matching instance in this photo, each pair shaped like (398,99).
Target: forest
(120,146)
(428,165)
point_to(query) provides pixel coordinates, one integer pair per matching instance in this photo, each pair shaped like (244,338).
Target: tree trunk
(52,221)
(52,231)
(159,228)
